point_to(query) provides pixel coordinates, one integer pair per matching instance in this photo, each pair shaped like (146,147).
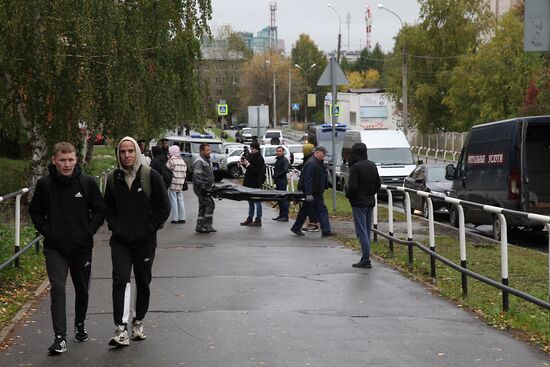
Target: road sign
(336,109)
(339,78)
(295,107)
(536,35)
(311,100)
(222,110)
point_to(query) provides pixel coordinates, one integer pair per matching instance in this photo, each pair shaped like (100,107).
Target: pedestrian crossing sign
(295,107)
(336,110)
(222,110)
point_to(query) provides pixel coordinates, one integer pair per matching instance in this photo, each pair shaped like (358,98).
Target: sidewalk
(262,297)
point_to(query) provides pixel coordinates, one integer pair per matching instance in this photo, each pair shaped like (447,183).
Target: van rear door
(536,164)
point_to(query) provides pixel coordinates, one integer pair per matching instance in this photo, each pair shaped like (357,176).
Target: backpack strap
(145,178)
(145,175)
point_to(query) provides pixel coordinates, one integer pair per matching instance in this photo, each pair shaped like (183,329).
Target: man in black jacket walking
(254,177)
(67,209)
(281,181)
(364,183)
(138,206)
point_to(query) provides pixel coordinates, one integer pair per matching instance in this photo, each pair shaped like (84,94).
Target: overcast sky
(315,18)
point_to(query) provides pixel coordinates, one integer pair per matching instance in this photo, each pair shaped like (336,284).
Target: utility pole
(348,21)
(289,93)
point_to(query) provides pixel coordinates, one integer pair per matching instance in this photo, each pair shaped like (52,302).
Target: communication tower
(368,28)
(273,37)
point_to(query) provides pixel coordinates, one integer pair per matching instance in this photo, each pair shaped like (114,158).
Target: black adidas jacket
(132,216)
(65,212)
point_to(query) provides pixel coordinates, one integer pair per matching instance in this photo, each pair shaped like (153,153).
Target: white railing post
(18,223)
(390,218)
(504,260)
(431,235)
(408,215)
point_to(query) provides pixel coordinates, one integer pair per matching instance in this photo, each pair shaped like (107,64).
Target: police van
(189,146)
(505,164)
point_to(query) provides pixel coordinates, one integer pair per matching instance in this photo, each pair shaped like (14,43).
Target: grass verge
(528,272)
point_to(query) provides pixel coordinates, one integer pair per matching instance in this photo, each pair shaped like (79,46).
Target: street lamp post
(339,31)
(305,71)
(289,93)
(404,71)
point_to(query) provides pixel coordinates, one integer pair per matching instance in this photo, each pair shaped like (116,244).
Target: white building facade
(365,109)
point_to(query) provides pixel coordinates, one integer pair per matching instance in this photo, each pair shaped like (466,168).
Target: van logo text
(486,159)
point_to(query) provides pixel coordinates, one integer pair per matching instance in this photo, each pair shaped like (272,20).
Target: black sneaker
(297,232)
(210,229)
(59,345)
(363,264)
(328,234)
(201,230)
(282,219)
(80,334)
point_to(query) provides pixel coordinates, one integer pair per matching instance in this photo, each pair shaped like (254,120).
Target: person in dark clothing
(246,152)
(158,163)
(313,222)
(313,182)
(203,179)
(254,177)
(136,211)
(67,209)
(281,181)
(364,183)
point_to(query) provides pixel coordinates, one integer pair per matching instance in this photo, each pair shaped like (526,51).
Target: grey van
(505,164)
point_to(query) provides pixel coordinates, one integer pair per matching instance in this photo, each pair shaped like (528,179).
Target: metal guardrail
(462,268)
(18,251)
(435,155)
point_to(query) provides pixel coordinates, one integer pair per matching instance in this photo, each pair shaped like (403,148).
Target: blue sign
(295,107)
(222,110)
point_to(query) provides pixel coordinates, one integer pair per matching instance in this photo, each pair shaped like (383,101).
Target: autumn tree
(491,84)
(125,67)
(447,31)
(312,63)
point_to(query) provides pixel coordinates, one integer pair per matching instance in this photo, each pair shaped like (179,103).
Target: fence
(462,268)
(18,251)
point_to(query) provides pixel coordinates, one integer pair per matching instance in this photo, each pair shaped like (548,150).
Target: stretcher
(239,193)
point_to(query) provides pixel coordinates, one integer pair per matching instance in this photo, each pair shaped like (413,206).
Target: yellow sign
(311,100)
(222,110)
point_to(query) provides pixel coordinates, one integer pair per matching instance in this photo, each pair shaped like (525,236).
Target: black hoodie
(67,214)
(364,180)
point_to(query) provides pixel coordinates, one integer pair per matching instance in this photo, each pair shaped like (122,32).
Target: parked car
(269,153)
(234,169)
(505,164)
(430,179)
(273,137)
(189,146)
(296,154)
(246,135)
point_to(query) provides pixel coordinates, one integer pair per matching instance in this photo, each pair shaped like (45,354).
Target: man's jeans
(255,205)
(283,205)
(362,219)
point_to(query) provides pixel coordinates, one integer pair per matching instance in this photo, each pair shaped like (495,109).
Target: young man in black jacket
(280,171)
(254,177)
(364,183)
(67,209)
(137,206)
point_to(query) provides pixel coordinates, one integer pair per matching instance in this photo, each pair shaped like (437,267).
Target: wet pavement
(262,297)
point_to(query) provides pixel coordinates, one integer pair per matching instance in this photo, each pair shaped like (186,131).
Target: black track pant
(58,266)
(140,257)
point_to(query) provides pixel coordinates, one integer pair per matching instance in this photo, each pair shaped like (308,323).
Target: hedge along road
(260,296)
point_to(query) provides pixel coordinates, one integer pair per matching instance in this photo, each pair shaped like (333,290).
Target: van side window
(187,148)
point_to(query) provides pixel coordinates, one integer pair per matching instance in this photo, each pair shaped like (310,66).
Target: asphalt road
(262,297)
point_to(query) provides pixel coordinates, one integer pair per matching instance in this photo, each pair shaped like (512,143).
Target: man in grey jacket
(203,179)
(364,182)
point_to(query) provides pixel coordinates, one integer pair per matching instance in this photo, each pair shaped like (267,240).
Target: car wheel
(453,216)
(235,171)
(425,209)
(218,176)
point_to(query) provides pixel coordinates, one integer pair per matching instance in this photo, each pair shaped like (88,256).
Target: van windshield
(389,156)
(327,144)
(215,147)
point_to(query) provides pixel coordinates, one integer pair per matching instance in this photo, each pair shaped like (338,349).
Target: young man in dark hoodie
(364,183)
(134,216)
(67,209)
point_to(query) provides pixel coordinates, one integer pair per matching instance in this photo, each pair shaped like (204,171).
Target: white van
(389,149)
(273,134)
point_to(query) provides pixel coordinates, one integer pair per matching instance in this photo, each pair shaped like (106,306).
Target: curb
(22,312)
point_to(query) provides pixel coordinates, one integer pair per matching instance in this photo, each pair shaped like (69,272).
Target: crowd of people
(67,209)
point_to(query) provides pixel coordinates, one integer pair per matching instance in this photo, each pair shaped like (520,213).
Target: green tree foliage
(448,30)
(125,67)
(306,53)
(370,60)
(491,84)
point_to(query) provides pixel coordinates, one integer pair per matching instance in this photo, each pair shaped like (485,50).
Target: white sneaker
(121,337)
(137,330)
